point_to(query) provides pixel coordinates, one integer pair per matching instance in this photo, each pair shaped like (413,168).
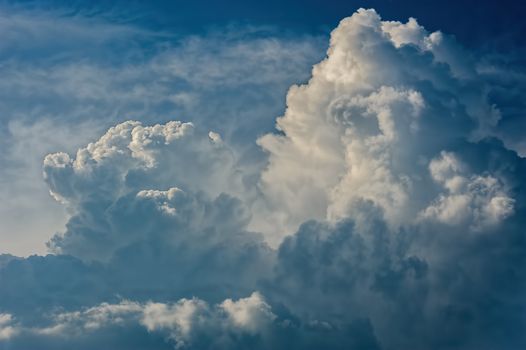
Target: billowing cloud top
(119,176)
(371,125)
(389,215)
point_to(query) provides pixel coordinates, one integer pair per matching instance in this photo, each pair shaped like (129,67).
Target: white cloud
(184,322)
(251,314)
(179,319)
(71,324)
(8,328)
(473,200)
(170,154)
(388,97)
(163,199)
(189,319)
(173,172)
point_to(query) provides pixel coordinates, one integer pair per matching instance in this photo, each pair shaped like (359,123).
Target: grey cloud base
(404,196)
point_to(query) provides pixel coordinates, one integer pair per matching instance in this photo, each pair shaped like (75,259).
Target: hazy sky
(279,174)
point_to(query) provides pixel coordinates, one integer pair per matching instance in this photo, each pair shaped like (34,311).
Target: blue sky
(473,25)
(263,175)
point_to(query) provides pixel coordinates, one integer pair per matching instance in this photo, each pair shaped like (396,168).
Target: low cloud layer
(182,324)
(389,215)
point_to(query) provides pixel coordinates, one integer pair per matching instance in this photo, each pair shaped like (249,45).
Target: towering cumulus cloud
(372,124)
(390,215)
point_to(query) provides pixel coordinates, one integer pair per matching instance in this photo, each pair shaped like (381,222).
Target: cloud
(69,324)
(250,314)
(58,35)
(391,147)
(183,323)
(478,199)
(190,321)
(407,284)
(7,328)
(123,165)
(391,213)
(388,99)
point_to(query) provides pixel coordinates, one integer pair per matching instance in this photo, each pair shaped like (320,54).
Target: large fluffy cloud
(387,100)
(395,143)
(394,200)
(159,200)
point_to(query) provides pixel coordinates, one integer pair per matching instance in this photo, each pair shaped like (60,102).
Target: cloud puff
(393,200)
(477,199)
(7,327)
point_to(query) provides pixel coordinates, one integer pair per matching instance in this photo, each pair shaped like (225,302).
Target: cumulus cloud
(164,208)
(393,200)
(86,73)
(123,165)
(387,100)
